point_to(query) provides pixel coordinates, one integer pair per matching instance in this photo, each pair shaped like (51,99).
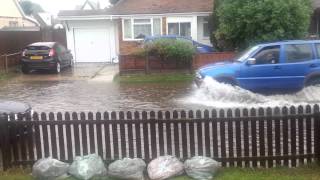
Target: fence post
(4,141)
(317,133)
(6,63)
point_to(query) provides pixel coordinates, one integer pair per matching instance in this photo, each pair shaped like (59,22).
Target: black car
(45,56)
(13,107)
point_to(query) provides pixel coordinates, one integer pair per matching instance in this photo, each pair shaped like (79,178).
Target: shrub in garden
(167,50)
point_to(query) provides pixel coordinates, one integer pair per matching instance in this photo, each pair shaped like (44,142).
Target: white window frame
(132,27)
(179,23)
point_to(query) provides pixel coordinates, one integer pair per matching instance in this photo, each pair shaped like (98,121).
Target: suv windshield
(245,54)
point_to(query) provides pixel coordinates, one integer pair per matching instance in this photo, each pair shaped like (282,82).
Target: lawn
(154,78)
(311,172)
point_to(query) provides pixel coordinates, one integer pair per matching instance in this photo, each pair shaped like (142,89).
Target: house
(13,17)
(101,35)
(89,5)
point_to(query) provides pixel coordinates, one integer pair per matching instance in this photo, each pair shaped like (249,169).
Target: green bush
(171,50)
(246,22)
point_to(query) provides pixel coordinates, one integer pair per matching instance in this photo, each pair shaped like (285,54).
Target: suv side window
(268,55)
(318,50)
(298,53)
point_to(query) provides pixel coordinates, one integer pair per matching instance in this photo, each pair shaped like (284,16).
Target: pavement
(106,73)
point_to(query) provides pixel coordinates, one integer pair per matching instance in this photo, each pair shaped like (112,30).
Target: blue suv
(286,65)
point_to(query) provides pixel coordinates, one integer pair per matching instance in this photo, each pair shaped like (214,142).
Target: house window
(138,29)
(180,28)
(141,28)
(206,32)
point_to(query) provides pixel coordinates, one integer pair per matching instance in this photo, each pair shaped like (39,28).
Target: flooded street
(78,90)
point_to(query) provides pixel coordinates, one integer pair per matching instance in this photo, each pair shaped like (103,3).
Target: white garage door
(94,45)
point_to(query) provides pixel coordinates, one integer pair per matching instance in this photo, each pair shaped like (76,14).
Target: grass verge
(310,172)
(154,78)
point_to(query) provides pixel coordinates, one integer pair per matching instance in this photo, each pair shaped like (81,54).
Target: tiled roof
(162,6)
(127,7)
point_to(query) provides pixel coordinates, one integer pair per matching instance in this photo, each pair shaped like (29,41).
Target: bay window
(138,29)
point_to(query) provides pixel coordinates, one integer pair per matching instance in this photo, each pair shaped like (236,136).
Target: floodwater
(63,95)
(215,95)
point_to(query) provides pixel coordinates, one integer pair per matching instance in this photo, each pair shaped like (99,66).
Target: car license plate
(36,57)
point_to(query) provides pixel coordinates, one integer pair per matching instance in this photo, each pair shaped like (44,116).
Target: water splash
(217,95)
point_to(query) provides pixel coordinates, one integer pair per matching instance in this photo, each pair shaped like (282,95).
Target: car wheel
(313,81)
(25,70)
(58,68)
(227,81)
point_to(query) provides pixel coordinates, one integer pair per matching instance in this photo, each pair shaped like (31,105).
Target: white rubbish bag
(165,167)
(201,168)
(86,167)
(49,169)
(127,168)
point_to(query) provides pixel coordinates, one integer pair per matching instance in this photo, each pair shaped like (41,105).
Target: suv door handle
(277,67)
(313,65)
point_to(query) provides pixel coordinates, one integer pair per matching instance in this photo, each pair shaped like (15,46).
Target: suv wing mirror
(251,61)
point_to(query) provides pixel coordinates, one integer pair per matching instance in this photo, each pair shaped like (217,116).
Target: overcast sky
(53,6)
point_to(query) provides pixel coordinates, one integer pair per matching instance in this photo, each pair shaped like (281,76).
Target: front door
(266,73)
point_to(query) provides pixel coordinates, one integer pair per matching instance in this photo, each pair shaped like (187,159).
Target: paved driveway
(80,71)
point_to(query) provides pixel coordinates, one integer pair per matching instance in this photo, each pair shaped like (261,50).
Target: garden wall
(133,63)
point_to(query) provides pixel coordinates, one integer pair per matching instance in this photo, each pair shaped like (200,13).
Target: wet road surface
(89,87)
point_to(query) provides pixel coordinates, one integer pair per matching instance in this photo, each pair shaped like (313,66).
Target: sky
(53,6)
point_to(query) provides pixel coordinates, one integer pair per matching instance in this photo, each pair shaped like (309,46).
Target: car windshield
(245,54)
(38,48)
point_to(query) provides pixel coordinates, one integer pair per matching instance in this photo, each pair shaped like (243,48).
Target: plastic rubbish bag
(49,169)
(165,167)
(86,167)
(127,168)
(201,168)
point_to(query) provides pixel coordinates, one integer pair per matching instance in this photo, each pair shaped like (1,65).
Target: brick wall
(164,25)
(132,63)
(208,58)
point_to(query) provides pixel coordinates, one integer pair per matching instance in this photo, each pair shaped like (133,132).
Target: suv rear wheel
(313,81)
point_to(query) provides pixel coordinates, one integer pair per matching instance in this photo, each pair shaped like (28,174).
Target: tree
(30,8)
(113,2)
(246,22)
